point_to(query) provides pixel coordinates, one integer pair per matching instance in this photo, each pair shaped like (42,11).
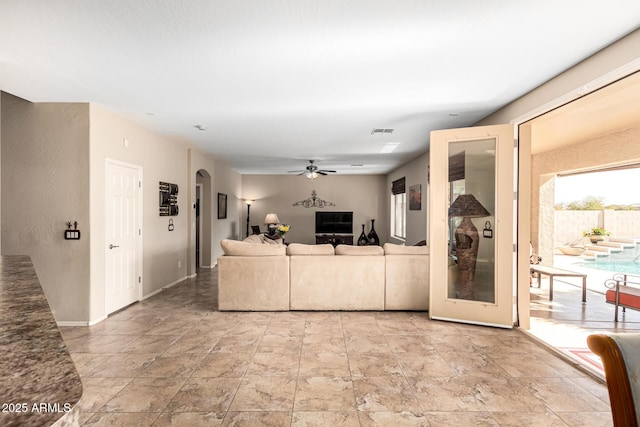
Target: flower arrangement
(595,231)
(283,229)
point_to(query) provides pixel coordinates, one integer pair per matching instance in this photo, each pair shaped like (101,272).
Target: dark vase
(363,240)
(373,236)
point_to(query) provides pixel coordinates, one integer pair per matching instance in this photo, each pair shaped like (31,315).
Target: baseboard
(164,288)
(64,323)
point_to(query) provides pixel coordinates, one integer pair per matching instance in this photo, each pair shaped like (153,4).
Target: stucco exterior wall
(608,150)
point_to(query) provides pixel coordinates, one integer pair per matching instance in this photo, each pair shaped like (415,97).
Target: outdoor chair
(620,354)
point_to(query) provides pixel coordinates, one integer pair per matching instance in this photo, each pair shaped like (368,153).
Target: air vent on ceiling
(381,131)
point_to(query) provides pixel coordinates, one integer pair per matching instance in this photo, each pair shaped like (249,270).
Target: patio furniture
(624,291)
(620,354)
(557,272)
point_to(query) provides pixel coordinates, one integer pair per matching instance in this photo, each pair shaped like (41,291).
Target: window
(398,209)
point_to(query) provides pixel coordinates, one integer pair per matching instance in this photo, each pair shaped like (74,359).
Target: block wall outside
(569,225)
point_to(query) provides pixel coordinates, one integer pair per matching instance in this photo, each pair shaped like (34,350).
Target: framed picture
(415,197)
(222,206)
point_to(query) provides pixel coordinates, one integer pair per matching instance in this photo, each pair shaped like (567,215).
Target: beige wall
(204,163)
(415,172)
(45,169)
(229,182)
(365,195)
(161,160)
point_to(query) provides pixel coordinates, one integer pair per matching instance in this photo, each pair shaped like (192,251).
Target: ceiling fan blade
(321,172)
(328,170)
(298,171)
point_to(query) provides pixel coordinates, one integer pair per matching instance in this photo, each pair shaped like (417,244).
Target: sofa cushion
(393,249)
(254,238)
(359,250)
(302,249)
(236,248)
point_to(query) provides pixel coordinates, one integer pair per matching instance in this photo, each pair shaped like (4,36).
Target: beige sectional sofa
(265,277)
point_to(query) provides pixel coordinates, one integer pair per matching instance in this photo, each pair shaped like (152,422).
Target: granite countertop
(39,384)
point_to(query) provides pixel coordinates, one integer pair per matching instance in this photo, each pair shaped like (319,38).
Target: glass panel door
(471,217)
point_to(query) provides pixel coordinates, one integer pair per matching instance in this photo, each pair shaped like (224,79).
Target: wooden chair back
(623,406)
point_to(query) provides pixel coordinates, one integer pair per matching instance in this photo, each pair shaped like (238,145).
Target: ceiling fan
(312,171)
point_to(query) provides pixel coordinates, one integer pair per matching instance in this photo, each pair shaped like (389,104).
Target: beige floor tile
(457,419)
(427,364)
(291,342)
(323,327)
(446,394)
(150,344)
(173,365)
(412,344)
(204,395)
(264,394)
(334,419)
(323,343)
(318,368)
(123,366)
(197,343)
(190,419)
(87,362)
(473,364)
(373,365)
(384,394)
(144,395)
(543,419)
(224,365)
(587,419)
(98,391)
(263,419)
(396,419)
(237,344)
(138,419)
(324,364)
(367,344)
(563,395)
(97,344)
(274,364)
(324,394)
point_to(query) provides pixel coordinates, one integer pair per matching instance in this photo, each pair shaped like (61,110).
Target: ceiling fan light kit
(312,171)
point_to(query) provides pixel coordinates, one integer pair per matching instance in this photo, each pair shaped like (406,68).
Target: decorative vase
(373,236)
(363,240)
(595,239)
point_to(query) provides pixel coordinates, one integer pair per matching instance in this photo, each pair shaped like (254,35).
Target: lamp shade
(468,206)
(271,218)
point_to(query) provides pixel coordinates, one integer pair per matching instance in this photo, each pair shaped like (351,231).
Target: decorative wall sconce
(314,202)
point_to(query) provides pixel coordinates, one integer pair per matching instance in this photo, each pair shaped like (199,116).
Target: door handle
(113,246)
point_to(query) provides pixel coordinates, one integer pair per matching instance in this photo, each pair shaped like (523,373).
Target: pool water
(627,261)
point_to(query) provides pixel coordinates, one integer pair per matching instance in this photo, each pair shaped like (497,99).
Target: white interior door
(123,235)
(471,228)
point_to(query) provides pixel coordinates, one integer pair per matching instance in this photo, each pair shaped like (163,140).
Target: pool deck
(565,323)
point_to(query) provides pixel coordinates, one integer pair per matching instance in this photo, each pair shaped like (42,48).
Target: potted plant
(596,234)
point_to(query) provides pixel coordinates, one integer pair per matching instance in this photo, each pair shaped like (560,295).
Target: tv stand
(334,239)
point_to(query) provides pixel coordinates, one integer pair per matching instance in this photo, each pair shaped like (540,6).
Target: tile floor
(174,360)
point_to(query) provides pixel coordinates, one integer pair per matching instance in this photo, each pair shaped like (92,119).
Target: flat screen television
(334,222)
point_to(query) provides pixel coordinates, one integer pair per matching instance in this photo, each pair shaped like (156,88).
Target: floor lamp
(248,202)
(466,235)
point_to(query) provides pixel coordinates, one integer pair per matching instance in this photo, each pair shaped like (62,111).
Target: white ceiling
(278,82)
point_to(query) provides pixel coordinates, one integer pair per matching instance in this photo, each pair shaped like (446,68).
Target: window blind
(398,186)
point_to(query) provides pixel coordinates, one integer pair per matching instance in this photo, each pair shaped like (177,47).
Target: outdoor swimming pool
(627,261)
